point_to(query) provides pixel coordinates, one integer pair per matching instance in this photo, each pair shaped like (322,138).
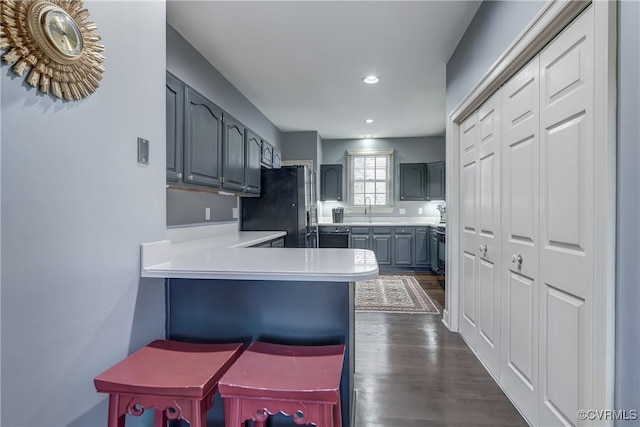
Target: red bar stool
(177,379)
(303,381)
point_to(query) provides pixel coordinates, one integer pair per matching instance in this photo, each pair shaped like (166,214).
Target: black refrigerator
(286,203)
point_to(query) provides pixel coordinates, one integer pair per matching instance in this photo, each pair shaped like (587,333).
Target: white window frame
(351,155)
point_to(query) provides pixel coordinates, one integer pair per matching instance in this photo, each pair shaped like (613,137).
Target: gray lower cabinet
(394,246)
(202,140)
(175,128)
(233,155)
(275,243)
(403,246)
(381,245)
(421,246)
(433,248)
(252,164)
(278,243)
(359,242)
(359,238)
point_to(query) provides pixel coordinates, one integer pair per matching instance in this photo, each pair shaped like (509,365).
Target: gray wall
(300,146)
(492,30)
(628,234)
(186,63)
(407,150)
(188,207)
(494,27)
(75,208)
(303,145)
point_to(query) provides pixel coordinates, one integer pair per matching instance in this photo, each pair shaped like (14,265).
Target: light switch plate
(143,151)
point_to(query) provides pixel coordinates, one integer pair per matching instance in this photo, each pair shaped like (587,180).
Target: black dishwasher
(333,237)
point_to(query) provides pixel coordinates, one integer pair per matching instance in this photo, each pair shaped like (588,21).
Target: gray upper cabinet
(175,128)
(435,181)
(206,147)
(233,155)
(413,181)
(276,160)
(202,140)
(422,181)
(331,182)
(253,148)
(266,154)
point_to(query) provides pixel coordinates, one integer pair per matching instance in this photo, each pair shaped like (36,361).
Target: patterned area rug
(393,294)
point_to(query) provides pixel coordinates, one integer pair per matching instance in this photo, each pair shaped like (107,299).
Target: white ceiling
(302,62)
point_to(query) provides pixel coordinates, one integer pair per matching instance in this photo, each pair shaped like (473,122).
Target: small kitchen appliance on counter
(337,215)
(443,212)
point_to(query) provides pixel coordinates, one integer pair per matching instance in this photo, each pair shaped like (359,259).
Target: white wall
(75,207)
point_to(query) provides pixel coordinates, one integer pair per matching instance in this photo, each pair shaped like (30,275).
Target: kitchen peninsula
(219,289)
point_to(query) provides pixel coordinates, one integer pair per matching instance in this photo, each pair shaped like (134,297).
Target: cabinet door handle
(483,249)
(190,177)
(516,259)
(179,175)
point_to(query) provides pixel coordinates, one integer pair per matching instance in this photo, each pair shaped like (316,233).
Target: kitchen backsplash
(400,209)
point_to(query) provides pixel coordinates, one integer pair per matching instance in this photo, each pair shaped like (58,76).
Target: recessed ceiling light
(369,121)
(371,80)
(368,136)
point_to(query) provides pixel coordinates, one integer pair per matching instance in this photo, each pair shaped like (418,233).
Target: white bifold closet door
(520,242)
(566,223)
(527,199)
(469,223)
(481,232)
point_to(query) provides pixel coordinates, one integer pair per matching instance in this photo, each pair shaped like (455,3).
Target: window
(370,175)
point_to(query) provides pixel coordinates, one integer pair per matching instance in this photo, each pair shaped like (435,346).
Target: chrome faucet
(365,207)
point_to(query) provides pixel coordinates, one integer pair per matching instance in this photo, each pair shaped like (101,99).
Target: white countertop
(224,254)
(385,223)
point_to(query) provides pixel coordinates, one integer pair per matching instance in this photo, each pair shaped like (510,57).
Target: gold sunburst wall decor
(52,42)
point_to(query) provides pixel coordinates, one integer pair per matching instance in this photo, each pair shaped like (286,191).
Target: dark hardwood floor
(412,371)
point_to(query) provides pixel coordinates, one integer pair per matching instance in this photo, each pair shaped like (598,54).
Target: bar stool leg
(337,414)
(199,414)
(115,418)
(159,418)
(326,416)
(232,413)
